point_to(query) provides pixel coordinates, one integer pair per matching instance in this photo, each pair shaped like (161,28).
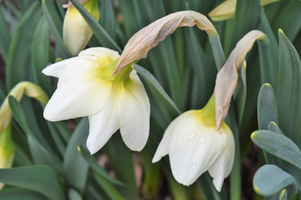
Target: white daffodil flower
(195,146)
(86,87)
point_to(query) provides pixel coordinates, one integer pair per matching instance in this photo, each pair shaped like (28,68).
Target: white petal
(217,171)
(230,150)
(81,92)
(101,52)
(193,149)
(102,126)
(134,114)
(57,68)
(163,147)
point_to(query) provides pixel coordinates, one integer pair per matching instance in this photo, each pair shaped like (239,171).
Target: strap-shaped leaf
(55,30)
(75,168)
(283,195)
(278,145)
(73,195)
(41,179)
(18,58)
(40,55)
(17,193)
(270,179)
(289,93)
(168,107)
(40,153)
(102,36)
(4,35)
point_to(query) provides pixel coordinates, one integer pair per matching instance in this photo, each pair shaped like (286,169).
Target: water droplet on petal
(193,166)
(77,66)
(95,64)
(201,139)
(191,136)
(93,58)
(86,70)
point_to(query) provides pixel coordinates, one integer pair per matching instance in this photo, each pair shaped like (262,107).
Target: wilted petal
(102,126)
(134,113)
(80,92)
(149,37)
(226,80)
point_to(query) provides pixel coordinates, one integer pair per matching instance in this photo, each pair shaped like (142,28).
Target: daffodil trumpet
(226,80)
(195,146)
(86,87)
(150,36)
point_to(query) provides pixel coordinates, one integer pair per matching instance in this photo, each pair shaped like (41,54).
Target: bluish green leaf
(5,37)
(55,27)
(18,58)
(283,195)
(270,179)
(17,193)
(268,54)
(275,128)
(278,145)
(102,36)
(40,154)
(166,104)
(73,195)
(24,5)
(40,55)
(289,93)
(41,179)
(75,168)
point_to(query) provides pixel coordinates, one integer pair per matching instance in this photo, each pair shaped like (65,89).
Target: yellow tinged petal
(226,80)
(149,37)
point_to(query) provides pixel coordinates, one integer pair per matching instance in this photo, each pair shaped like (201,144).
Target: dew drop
(193,166)
(86,70)
(93,58)
(95,64)
(201,139)
(77,66)
(191,136)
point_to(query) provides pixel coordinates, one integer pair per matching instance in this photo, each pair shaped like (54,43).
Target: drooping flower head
(86,87)
(76,31)
(195,146)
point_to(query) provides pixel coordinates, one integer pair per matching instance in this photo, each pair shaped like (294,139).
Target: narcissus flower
(86,87)
(195,146)
(76,31)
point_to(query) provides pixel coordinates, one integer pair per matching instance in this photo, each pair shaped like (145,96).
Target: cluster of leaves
(53,163)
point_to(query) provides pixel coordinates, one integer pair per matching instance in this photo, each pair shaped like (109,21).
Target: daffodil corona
(195,146)
(86,87)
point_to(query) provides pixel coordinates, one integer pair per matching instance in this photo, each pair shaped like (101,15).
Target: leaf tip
(256,189)
(253,135)
(281,31)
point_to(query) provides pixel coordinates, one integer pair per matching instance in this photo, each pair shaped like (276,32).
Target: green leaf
(75,168)
(106,181)
(18,58)
(24,5)
(168,107)
(40,154)
(40,55)
(270,179)
(55,27)
(268,54)
(240,94)
(289,93)
(17,193)
(102,36)
(266,113)
(266,107)
(278,145)
(73,195)
(275,128)
(41,179)
(4,35)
